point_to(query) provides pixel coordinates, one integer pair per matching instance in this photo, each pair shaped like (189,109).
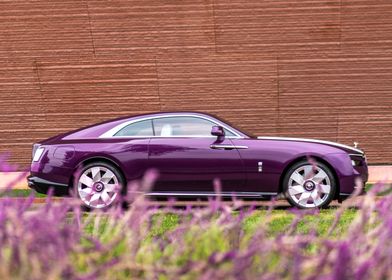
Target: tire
(309,186)
(99,185)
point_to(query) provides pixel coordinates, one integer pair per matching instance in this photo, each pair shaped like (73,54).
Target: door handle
(227,147)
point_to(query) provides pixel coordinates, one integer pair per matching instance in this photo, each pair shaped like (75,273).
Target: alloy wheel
(98,187)
(309,186)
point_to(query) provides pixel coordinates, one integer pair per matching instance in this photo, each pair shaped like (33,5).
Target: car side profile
(190,150)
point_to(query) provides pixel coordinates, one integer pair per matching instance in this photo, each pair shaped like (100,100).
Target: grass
(215,242)
(278,222)
(199,243)
(21,193)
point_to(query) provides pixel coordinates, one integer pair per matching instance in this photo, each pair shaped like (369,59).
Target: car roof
(169,113)
(95,130)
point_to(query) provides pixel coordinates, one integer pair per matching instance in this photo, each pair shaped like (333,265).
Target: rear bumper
(43,186)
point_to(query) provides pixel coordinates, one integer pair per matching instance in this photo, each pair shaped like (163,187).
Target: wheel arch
(317,158)
(104,159)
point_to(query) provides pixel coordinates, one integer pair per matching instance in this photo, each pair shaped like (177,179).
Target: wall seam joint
(90,28)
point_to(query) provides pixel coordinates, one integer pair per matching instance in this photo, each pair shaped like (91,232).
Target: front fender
(346,174)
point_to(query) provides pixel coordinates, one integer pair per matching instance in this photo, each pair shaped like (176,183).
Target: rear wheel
(99,185)
(309,185)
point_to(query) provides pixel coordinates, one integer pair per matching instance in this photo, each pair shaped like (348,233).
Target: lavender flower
(57,240)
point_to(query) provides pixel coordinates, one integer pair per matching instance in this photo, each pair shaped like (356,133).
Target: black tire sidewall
(321,165)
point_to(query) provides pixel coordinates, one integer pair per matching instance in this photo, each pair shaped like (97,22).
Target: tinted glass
(184,126)
(142,128)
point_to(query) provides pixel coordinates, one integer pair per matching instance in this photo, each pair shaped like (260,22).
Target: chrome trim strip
(172,136)
(357,155)
(240,147)
(218,146)
(313,141)
(110,133)
(252,194)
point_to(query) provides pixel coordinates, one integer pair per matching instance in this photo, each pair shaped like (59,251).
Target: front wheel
(99,185)
(308,185)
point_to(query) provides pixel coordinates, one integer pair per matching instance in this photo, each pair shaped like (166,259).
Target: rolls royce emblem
(355,144)
(309,186)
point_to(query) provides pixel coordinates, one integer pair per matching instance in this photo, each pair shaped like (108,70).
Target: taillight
(37,152)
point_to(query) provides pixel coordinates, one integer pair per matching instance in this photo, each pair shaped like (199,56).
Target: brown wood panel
(54,97)
(277,25)
(152,28)
(20,109)
(312,68)
(44,28)
(367,25)
(339,99)
(371,129)
(241,90)
(78,93)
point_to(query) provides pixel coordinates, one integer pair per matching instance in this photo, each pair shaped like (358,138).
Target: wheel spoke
(111,187)
(85,192)
(95,197)
(96,173)
(316,198)
(294,190)
(325,188)
(85,180)
(303,200)
(105,197)
(107,176)
(320,176)
(298,178)
(308,172)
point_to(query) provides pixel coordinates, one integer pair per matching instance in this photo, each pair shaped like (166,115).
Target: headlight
(357,159)
(38,153)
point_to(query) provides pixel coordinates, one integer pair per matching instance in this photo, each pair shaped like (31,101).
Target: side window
(184,126)
(142,128)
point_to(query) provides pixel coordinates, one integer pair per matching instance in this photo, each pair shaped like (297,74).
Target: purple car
(190,150)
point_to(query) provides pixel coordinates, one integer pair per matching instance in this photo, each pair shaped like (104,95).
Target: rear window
(141,128)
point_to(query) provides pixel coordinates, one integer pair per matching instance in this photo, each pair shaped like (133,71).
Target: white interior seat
(167,130)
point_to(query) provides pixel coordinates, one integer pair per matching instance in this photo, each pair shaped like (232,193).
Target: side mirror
(217,131)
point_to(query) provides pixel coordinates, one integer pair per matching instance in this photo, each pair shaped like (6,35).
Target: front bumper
(43,186)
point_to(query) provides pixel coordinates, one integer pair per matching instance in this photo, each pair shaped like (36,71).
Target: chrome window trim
(112,132)
(172,136)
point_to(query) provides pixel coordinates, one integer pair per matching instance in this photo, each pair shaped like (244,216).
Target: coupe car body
(190,150)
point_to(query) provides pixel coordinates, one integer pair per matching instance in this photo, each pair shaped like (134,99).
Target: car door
(189,158)
(262,165)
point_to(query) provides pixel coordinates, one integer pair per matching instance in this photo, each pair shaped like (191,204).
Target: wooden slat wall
(311,68)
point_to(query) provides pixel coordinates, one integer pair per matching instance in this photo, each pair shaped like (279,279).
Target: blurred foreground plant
(58,241)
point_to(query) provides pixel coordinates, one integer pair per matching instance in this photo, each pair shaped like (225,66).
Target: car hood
(346,148)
